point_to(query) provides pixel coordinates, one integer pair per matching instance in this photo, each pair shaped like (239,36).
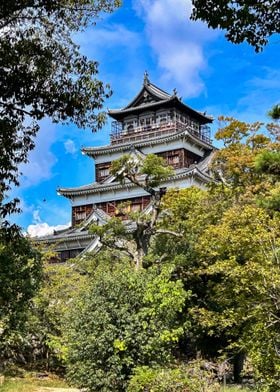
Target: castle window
(173,160)
(102,171)
(163,118)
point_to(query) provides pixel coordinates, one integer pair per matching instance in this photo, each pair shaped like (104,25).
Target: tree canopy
(43,74)
(251,21)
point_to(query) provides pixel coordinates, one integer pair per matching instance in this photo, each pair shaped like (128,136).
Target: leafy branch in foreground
(43,74)
(251,21)
(133,235)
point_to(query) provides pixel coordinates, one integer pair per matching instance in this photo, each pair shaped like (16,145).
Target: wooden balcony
(119,136)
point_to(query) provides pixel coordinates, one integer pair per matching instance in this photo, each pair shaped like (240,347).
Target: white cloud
(259,95)
(42,229)
(70,147)
(111,36)
(176,41)
(41,159)
(269,81)
(36,216)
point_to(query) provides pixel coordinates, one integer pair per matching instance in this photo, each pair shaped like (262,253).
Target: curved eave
(94,188)
(173,101)
(95,151)
(66,237)
(152,89)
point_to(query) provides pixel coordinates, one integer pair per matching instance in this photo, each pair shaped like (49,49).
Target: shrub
(182,378)
(126,318)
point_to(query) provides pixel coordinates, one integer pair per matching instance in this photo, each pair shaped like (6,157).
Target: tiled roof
(96,187)
(94,151)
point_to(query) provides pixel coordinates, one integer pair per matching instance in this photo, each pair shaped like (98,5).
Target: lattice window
(102,171)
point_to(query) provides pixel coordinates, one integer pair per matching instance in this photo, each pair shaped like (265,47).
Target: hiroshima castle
(154,122)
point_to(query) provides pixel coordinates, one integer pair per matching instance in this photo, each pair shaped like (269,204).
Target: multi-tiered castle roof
(153,122)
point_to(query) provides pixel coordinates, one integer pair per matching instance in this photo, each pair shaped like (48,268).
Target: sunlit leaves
(125,319)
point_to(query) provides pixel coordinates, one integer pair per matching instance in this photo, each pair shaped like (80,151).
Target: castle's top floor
(155,113)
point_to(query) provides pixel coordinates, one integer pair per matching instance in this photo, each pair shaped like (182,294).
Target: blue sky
(155,35)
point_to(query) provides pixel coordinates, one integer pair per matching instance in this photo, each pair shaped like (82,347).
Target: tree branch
(170,232)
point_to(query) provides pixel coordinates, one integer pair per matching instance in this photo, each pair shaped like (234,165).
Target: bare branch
(170,232)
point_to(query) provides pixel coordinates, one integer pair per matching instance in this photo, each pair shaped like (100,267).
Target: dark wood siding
(102,171)
(68,254)
(179,158)
(113,208)
(80,213)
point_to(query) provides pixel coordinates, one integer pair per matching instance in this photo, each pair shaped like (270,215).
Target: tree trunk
(238,362)
(139,256)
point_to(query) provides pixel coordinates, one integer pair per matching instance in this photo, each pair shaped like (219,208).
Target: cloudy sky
(154,35)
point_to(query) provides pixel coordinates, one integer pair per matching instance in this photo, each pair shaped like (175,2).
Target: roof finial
(175,92)
(146,78)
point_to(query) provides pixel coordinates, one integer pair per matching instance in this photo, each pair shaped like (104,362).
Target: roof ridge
(158,88)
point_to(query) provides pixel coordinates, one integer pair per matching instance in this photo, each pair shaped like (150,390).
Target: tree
(228,255)
(43,74)
(240,257)
(133,237)
(124,319)
(20,275)
(43,343)
(274,113)
(251,21)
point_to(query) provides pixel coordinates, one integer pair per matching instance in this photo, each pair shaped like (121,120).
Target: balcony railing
(119,136)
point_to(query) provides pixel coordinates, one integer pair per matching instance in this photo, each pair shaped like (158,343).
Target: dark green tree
(274,112)
(20,275)
(43,74)
(251,21)
(126,318)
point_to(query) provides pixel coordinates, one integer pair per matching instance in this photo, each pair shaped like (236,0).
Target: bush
(183,378)
(126,318)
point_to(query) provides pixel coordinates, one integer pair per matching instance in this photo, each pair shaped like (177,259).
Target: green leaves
(127,318)
(253,22)
(155,169)
(268,162)
(20,274)
(43,74)
(152,168)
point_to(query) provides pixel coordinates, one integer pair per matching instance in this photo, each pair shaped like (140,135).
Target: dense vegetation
(192,291)
(226,262)
(207,285)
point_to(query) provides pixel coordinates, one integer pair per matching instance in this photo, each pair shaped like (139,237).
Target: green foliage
(44,75)
(153,168)
(45,344)
(228,255)
(134,238)
(20,274)
(179,378)
(239,260)
(268,162)
(156,169)
(274,113)
(126,318)
(253,22)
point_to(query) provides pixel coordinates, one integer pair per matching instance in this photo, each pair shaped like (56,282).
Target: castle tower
(153,122)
